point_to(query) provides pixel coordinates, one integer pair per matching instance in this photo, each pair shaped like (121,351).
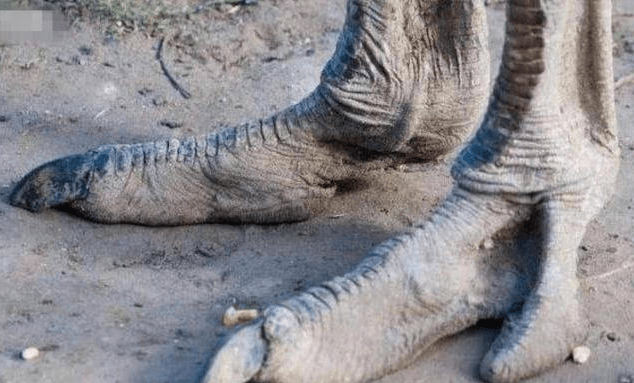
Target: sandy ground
(134,304)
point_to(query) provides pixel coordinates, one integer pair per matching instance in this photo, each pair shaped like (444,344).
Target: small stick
(232,2)
(206,4)
(100,114)
(233,317)
(623,81)
(171,79)
(610,273)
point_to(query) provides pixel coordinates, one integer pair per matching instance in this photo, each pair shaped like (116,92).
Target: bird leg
(407,82)
(546,149)
(409,292)
(545,143)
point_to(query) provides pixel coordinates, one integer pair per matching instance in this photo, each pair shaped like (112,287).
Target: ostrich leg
(551,129)
(407,82)
(409,292)
(547,148)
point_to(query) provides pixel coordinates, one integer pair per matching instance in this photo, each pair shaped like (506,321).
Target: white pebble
(488,244)
(581,354)
(30,353)
(233,317)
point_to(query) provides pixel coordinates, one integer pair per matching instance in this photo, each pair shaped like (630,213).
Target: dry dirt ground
(134,304)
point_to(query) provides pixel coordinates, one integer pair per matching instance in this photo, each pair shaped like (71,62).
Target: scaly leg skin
(547,148)
(406,294)
(557,149)
(551,323)
(407,82)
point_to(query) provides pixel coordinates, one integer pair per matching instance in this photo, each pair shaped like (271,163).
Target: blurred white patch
(110,91)
(581,354)
(19,25)
(30,353)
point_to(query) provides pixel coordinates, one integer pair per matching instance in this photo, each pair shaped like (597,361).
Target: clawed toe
(55,183)
(532,342)
(408,293)
(240,358)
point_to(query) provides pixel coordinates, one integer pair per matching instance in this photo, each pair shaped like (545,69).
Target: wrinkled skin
(406,83)
(393,92)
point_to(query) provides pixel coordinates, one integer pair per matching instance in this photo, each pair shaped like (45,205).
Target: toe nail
(278,323)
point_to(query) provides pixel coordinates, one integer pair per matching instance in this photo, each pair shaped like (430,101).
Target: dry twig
(232,2)
(211,3)
(171,79)
(611,272)
(234,317)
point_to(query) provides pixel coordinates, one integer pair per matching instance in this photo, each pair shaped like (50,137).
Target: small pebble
(30,353)
(233,317)
(581,354)
(488,244)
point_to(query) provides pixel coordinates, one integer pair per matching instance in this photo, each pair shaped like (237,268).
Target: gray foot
(420,287)
(543,147)
(55,183)
(224,177)
(405,295)
(377,105)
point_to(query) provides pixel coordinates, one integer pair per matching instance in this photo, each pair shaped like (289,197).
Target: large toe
(240,358)
(54,183)
(538,338)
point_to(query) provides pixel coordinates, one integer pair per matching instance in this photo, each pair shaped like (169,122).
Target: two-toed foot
(407,82)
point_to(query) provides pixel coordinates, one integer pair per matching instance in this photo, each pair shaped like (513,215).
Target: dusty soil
(135,304)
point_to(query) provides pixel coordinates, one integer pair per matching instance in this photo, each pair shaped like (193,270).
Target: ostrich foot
(542,150)
(378,104)
(405,295)
(415,289)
